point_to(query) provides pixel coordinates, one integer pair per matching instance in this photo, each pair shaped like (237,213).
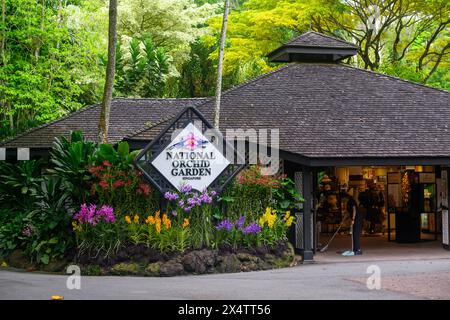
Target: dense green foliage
(38,200)
(53,52)
(89,197)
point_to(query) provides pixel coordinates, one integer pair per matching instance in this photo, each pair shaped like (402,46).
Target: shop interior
(403,202)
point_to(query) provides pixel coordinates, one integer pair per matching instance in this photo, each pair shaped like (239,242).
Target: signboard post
(445,230)
(189,151)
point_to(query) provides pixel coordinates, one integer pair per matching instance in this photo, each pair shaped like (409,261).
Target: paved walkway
(417,279)
(408,271)
(377,248)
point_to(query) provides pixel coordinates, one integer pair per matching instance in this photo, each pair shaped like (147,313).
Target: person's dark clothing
(357,228)
(381,200)
(364,199)
(351,203)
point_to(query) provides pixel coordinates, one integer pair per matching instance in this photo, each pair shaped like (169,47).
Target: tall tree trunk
(5,105)
(37,50)
(3,41)
(103,124)
(219,65)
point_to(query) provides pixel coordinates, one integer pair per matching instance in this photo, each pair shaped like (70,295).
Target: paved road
(419,279)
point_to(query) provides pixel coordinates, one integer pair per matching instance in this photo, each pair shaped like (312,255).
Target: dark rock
(100,260)
(228,263)
(244,257)
(250,266)
(123,269)
(153,269)
(199,261)
(122,255)
(261,250)
(55,266)
(91,270)
(17,259)
(171,268)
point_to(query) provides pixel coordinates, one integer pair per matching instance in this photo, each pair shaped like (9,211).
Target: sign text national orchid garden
(183,155)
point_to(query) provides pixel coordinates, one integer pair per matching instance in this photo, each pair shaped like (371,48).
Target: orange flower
(185,223)
(150,220)
(157,213)
(166,221)
(136,219)
(158,225)
(127,219)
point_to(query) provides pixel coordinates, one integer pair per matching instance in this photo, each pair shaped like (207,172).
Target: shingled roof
(335,110)
(313,46)
(316,39)
(127,116)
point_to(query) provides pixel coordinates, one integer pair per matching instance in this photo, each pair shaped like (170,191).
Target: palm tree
(103,123)
(219,65)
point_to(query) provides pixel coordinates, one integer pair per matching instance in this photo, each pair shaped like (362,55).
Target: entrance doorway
(403,202)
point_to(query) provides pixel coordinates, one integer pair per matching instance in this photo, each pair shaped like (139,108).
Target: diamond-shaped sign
(188,158)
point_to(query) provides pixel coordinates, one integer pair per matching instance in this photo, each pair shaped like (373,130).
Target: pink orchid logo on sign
(190,142)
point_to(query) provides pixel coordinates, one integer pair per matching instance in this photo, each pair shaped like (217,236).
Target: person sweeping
(357,212)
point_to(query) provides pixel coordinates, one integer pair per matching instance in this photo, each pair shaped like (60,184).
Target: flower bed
(93,208)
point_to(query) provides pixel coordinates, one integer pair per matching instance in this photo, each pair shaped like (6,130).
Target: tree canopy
(53,52)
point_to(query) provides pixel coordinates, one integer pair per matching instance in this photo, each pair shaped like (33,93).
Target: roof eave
(285,53)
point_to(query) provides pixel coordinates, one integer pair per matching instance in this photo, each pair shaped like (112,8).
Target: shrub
(70,160)
(18,182)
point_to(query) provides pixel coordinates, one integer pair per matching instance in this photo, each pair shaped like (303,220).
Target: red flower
(106,163)
(143,188)
(118,184)
(95,170)
(103,184)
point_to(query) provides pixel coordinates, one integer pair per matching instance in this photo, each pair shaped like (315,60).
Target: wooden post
(307,250)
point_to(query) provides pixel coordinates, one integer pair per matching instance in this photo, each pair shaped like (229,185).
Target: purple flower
(195,200)
(171,196)
(225,225)
(213,193)
(90,214)
(205,198)
(187,209)
(186,188)
(240,222)
(174,213)
(252,228)
(86,214)
(107,213)
(181,203)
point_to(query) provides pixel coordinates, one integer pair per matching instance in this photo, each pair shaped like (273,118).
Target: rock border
(142,261)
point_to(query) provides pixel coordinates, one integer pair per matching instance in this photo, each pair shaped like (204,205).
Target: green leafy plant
(70,160)
(18,182)
(286,196)
(48,227)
